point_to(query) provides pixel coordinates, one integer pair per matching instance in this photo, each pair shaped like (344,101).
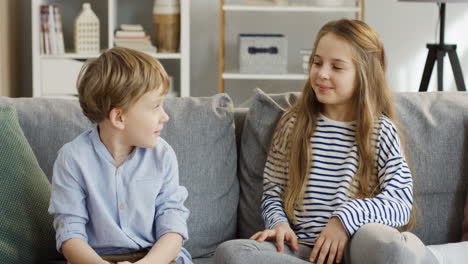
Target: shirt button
(62,224)
(131,235)
(119,171)
(122,206)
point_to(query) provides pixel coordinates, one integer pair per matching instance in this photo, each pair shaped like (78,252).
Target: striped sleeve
(393,205)
(275,177)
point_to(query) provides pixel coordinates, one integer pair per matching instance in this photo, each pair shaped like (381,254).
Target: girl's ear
(116,118)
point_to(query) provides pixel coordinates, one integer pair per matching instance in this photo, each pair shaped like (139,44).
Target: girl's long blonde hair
(372,99)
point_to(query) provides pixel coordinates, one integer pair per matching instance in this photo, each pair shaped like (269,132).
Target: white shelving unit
(358,9)
(243,76)
(55,75)
(249,8)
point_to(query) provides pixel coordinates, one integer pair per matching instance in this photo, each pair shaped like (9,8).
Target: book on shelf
(43,32)
(59,31)
(123,33)
(50,30)
(133,36)
(131,27)
(133,41)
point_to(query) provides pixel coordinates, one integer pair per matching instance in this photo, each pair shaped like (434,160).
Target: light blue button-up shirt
(117,210)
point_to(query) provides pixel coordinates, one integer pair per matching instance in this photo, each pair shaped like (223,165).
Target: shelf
(165,55)
(70,56)
(244,76)
(355,8)
(289,8)
(55,75)
(64,96)
(87,56)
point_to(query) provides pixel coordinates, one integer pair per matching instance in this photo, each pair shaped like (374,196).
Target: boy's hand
(330,242)
(280,233)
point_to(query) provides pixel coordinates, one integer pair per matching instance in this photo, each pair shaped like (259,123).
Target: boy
(115,189)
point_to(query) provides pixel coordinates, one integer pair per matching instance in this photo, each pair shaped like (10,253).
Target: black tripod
(437,51)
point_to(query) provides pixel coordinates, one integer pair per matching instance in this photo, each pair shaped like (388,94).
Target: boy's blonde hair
(372,99)
(117,79)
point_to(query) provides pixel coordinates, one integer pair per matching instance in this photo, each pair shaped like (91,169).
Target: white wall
(405,28)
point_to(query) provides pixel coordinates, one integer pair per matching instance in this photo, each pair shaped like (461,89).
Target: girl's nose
(323,73)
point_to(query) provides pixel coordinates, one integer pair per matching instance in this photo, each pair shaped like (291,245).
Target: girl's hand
(331,242)
(280,232)
(141,261)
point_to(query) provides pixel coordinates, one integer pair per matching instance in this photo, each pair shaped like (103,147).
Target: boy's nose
(165,118)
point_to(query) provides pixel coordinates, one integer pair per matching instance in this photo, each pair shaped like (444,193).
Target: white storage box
(58,76)
(263,53)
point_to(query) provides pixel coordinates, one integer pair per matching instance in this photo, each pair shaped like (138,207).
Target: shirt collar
(102,150)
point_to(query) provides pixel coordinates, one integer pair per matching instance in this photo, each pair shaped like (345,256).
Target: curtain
(8,44)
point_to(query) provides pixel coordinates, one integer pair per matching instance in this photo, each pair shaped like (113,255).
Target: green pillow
(26,232)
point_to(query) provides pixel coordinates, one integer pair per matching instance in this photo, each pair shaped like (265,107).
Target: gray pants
(372,243)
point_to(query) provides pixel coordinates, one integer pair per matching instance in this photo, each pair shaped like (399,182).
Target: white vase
(87,31)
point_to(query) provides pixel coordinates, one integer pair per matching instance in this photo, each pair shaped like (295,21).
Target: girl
(336,169)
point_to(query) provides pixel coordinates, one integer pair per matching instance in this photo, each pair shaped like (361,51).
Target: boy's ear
(116,118)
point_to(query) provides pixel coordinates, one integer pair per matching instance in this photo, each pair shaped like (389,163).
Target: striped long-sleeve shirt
(330,189)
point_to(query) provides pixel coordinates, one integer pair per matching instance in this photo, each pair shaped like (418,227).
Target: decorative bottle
(87,31)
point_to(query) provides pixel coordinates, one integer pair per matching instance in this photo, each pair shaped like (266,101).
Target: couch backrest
(435,127)
(201,132)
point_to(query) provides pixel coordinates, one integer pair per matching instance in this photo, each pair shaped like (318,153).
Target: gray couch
(222,150)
